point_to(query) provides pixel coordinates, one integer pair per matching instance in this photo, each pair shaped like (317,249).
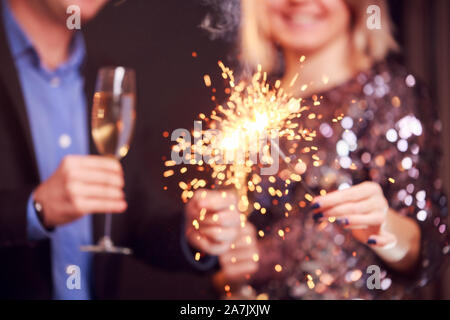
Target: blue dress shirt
(56,107)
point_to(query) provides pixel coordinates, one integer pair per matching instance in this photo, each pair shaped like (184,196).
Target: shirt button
(64,141)
(54,82)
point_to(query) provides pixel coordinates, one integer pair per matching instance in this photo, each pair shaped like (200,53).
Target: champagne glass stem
(108,218)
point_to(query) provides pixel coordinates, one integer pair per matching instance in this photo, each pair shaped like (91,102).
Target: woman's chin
(309,37)
(302,45)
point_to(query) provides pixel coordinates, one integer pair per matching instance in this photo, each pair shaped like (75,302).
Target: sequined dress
(379,126)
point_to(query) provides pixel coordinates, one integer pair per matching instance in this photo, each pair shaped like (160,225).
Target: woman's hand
(362,208)
(241,260)
(212,221)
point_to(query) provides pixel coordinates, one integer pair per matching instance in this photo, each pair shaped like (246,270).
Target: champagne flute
(113,117)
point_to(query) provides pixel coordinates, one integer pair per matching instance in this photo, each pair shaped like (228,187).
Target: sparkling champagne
(113,118)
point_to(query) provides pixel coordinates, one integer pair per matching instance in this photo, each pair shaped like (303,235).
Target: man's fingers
(248,229)
(218,234)
(213,200)
(87,205)
(244,240)
(92,162)
(206,202)
(97,177)
(239,255)
(238,270)
(199,242)
(204,244)
(226,218)
(95,191)
(356,193)
(102,163)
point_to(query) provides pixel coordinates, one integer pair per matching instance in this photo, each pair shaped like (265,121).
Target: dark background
(157,38)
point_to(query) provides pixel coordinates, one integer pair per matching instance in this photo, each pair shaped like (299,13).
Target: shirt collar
(77,52)
(18,41)
(20,44)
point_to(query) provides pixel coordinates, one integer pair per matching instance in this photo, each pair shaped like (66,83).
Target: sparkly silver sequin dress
(389,133)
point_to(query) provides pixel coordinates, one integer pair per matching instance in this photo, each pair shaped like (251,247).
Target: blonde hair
(368,46)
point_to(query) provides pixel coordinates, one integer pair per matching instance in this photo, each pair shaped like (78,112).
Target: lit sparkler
(254,109)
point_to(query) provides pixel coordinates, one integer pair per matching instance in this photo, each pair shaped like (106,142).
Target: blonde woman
(381,206)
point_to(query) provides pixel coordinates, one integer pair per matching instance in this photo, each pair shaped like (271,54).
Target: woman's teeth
(302,19)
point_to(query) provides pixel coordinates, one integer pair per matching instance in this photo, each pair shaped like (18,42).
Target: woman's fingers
(349,208)
(358,207)
(361,220)
(226,218)
(362,208)
(354,194)
(383,240)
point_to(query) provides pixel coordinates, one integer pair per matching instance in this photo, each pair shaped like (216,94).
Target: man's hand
(212,220)
(81,185)
(241,260)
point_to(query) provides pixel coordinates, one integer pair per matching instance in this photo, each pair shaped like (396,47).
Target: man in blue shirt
(50,185)
(53,90)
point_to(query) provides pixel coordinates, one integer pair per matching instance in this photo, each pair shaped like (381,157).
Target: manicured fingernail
(371,241)
(342,222)
(317,216)
(314,206)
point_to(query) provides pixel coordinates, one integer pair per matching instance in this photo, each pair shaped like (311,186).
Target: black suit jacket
(151,226)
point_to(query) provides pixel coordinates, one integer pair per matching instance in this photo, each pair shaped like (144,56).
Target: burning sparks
(207,80)
(254,111)
(253,119)
(197,256)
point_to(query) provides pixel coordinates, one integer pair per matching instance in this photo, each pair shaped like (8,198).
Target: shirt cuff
(35,229)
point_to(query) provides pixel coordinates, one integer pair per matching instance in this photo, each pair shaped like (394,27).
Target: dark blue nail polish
(342,222)
(317,216)
(371,241)
(314,206)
